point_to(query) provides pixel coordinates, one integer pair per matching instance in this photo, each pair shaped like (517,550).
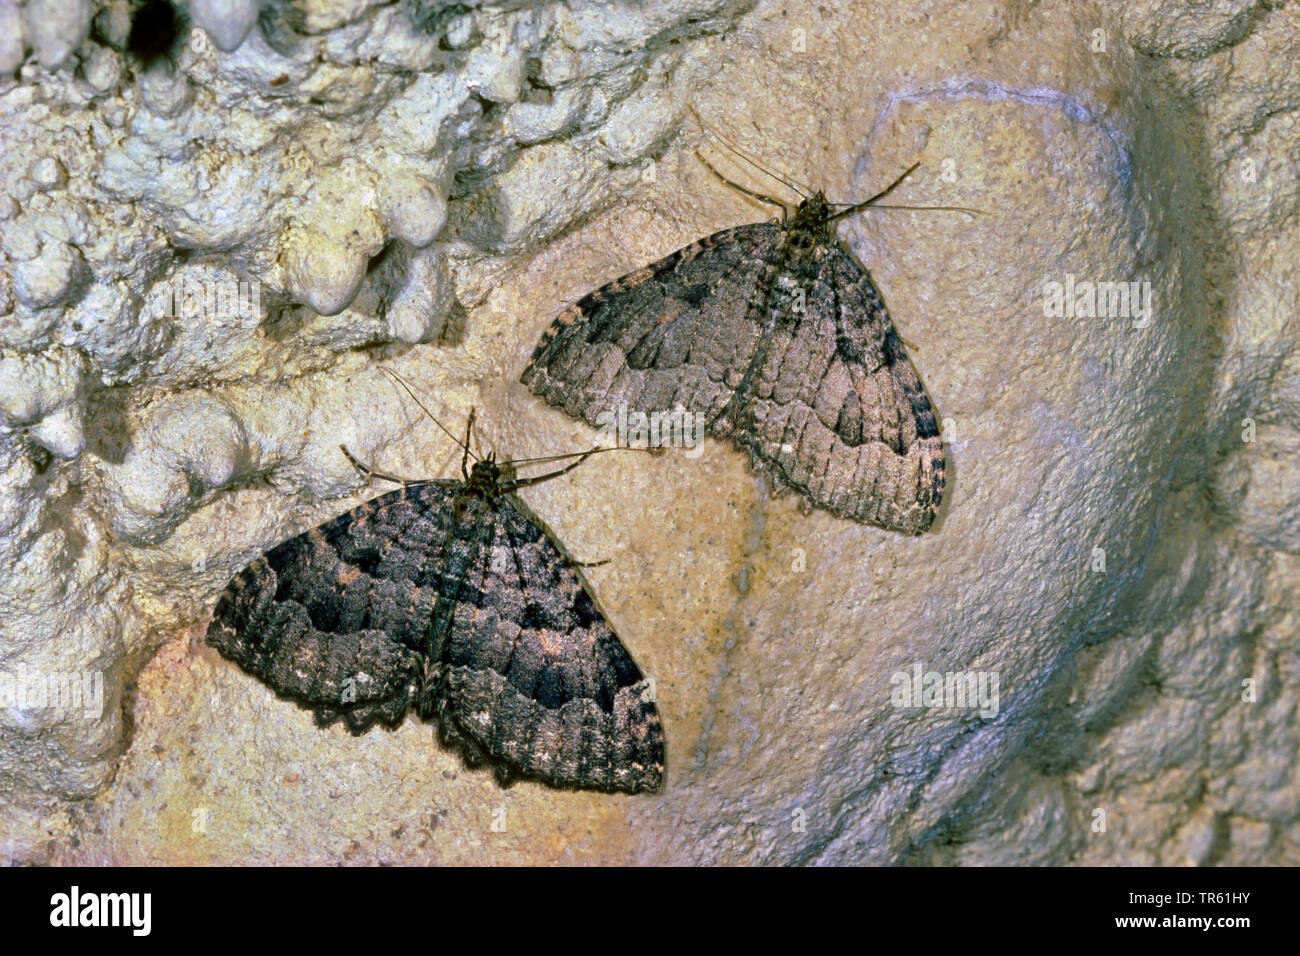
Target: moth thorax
(810,226)
(484,477)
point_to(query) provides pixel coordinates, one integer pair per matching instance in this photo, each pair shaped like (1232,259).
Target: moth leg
(878,196)
(464,458)
(370,473)
(525,482)
(359,718)
(748,192)
(505,776)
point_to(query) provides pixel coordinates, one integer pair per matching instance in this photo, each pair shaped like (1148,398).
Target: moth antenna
(851,208)
(580,455)
(432,417)
(783,179)
(854,207)
(538,479)
(965,209)
(574,454)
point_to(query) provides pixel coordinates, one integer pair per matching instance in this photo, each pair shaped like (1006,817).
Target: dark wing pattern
(837,412)
(680,331)
(454,601)
(788,352)
(534,679)
(334,618)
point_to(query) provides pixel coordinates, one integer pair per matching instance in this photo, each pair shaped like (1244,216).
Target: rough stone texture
(149,452)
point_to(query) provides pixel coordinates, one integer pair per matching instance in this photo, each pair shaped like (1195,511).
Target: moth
(782,340)
(446,596)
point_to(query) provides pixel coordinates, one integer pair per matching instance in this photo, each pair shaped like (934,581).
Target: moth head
(810,225)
